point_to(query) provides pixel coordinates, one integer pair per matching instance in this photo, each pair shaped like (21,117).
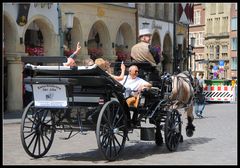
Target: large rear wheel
(111,131)
(37,131)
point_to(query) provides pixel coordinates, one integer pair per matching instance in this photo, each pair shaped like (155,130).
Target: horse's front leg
(190,127)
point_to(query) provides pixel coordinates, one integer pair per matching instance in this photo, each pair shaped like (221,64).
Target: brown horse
(182,97)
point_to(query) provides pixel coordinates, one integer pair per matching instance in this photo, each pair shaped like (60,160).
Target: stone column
(15,86)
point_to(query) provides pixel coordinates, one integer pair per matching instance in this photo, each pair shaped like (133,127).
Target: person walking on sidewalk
(199,96)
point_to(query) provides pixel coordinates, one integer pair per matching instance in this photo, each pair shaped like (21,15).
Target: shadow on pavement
(140,149)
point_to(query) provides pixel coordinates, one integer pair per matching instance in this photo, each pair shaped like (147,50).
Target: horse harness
(190,82)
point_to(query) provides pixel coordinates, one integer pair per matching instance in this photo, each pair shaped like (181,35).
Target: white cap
(144,32)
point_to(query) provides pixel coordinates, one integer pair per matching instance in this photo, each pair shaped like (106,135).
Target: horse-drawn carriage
(86,98)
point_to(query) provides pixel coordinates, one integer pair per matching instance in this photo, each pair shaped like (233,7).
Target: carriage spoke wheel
(172,130)
(37,131)
(111,131)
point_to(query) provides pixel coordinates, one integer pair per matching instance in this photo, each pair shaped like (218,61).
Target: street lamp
(180,37)
(69,26)
(192,47)
(193,42)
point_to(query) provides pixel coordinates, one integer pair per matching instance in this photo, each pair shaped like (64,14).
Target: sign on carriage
(49,95)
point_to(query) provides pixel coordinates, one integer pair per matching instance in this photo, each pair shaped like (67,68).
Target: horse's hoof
(181,139)
(189,132)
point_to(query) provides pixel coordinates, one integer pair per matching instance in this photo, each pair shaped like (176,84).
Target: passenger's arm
(78,48)
(70,60)
(121,76)
(145,85)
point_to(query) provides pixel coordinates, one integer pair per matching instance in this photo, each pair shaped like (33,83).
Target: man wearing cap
(140,51)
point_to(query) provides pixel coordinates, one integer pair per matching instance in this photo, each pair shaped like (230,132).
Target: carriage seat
(144,96)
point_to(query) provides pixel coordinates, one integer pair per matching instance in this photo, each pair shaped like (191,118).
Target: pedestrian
(199,96)
(201,81)
(71,58)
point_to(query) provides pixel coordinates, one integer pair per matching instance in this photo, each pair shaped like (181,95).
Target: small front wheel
(172,130)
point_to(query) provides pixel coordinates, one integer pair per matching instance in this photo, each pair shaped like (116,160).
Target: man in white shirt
(134,85)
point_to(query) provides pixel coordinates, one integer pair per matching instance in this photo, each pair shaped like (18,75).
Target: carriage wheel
(37,131)
(172,130)
(111,132)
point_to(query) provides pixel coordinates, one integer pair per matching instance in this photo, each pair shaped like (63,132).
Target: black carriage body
(87,95)
(87,86)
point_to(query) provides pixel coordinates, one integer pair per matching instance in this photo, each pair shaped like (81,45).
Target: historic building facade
(217,43)
(233,40)
(34,29)
(197,30)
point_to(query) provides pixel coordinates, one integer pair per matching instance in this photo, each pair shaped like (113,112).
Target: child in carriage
(71,58)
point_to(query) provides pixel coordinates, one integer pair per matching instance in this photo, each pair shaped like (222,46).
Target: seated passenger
(71,58)
(88,62)
(105,65)
(134,85)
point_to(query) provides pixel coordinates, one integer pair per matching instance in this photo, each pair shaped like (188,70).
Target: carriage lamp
(69,26)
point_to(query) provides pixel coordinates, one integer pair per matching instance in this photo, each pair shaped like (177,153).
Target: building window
(141,9)
(157,12)
(234,63)
(225,52)
(166,11)
(211,52)
(201,38)
(225,25)
(220,7)
(234,23)
(210,26)
(197,17)
(217,25)
(234,44)
(150,10)
(217,51)
(213,8)
(147,9)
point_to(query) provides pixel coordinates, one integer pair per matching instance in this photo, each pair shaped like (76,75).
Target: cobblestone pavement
(213,143)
